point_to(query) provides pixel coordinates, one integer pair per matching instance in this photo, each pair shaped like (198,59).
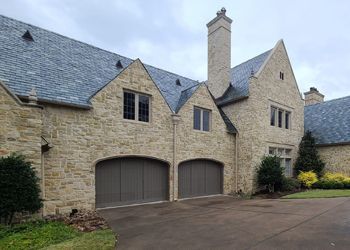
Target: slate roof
(329,121)
(240,74)
(67,71)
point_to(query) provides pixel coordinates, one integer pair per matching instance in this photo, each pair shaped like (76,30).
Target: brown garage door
(124,181)
(200,178)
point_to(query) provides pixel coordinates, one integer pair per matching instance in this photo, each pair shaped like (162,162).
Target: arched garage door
(124,181)
(200,178)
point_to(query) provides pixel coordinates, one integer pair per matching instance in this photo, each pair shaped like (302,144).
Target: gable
(65,71)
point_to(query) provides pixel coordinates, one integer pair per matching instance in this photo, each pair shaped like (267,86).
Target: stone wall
(252,116)
(217,144)
(337,158)
(20,130)
(80,138)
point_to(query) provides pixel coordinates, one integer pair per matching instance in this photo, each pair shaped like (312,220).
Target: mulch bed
(83,220)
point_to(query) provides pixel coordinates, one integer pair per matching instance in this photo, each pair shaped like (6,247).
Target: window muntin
(143,108)
(136,107)
(280,117)
(197,119)
(201,119)
(129,106)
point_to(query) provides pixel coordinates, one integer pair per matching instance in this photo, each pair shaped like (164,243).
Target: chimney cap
(313,89)
(221,12)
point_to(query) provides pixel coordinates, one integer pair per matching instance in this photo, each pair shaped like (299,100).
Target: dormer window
(201,119)
(136,106)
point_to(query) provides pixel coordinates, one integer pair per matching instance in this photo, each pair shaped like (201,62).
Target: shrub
(307,179)
(290,184)
(333,181)
(308,158)
(270,173)
(19,188)
(328,184)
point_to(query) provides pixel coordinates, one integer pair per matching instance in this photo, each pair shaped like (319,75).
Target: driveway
(226,223)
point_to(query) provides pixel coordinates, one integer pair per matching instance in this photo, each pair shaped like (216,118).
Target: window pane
(280,115)
(273,116)
(143,108)
(129,106)
(272,151)
(206,117)
(288,167)
(197,119)
(287,120)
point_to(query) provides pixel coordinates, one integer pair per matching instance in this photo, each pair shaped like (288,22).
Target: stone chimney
(219,53)
(313,97)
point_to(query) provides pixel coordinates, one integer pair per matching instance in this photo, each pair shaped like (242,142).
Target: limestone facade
(336,157)
(80,138)
(251,116)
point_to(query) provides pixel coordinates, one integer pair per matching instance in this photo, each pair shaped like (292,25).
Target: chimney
(313,97)
(219,53)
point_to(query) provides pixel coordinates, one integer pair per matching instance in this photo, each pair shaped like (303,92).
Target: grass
(319,193)
(52,235)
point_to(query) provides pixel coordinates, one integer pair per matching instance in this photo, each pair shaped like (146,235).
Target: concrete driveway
(226,223)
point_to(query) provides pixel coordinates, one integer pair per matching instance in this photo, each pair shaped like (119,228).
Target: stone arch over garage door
(131,180)
(200,177)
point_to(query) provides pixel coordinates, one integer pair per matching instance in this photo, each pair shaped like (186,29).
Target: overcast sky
(172,34)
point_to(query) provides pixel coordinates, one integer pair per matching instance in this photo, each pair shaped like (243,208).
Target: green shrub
(328,184)
(290,184)
(270,173)
(307,179)
(19,188)
(308,158)
(346,183)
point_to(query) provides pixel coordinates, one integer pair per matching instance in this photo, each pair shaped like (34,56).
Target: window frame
(285,156)
(136,106)
(201,118)
(277,110)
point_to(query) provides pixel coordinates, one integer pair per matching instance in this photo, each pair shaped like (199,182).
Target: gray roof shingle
(240,74)
(66,71)
(329,121)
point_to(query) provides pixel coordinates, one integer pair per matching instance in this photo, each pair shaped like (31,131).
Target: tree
(19,187)
(270,173)
(308,158)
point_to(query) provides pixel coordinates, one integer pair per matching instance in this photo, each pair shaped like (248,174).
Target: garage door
(200,178)
(124,181)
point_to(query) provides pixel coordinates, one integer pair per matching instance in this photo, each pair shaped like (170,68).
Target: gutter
(333,144)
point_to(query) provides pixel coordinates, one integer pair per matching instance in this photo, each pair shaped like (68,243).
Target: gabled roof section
(240,75)
(66,71)
(329,121)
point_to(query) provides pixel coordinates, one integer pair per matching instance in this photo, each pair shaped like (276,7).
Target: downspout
(175,120)
(236,160)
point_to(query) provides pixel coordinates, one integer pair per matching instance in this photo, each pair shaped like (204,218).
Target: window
(136,107)
(273,116)
(280,118)
(286,160)
(201,119)
(281,75)
(287,120)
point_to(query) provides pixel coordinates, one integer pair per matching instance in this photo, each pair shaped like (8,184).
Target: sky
(172,34)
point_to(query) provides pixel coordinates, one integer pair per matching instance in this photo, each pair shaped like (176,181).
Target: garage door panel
(214,181)
(131,180)
(124,181)
(199,178)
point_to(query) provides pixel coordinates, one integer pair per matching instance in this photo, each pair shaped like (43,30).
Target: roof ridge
(325,102)
(251,58)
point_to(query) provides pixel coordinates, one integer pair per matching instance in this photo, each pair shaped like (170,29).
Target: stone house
(329,123)
(104,130)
